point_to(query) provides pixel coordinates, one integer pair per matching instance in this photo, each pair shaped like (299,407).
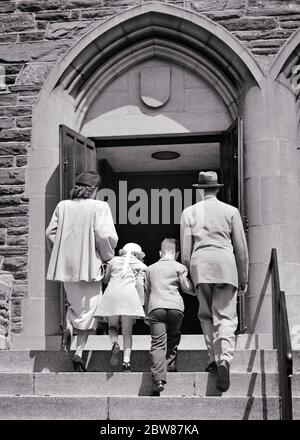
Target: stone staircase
(41,384)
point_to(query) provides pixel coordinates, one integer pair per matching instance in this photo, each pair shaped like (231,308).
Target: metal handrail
(281,340)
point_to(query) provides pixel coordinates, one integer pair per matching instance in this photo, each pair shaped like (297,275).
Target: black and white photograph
(149,213)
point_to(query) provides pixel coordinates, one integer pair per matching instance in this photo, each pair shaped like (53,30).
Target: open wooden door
(77,154)
(232,175)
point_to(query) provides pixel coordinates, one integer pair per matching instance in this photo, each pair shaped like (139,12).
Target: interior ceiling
(138,158)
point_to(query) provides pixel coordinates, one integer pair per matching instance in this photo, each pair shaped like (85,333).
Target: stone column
(272,200)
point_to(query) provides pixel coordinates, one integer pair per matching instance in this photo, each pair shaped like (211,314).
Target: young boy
(164,309)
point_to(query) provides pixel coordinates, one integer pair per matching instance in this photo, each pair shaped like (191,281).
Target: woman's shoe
(158,387)
(126,367)
(65,340)
(114,356)
(78,364)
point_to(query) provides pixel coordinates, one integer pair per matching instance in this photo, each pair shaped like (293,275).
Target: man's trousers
(218,319)
(165,327)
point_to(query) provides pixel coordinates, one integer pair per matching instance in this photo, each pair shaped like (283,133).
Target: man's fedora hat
(207,179)
(88,178)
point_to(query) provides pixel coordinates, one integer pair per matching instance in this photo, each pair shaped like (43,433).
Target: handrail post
(275,312)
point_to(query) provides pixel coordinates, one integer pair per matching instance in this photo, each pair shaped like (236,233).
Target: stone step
(134,384)
(264,361)
(141,342)
(296,408)
(296,361)
(143,408)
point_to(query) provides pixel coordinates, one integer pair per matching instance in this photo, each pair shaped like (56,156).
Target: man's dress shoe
(223,380)
(211,368)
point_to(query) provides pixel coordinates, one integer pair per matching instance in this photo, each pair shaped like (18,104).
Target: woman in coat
(81,236)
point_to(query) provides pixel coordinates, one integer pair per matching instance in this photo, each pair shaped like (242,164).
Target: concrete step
(264,361)
(140,342)
(134,384)
(296,361)
(296,408)
(142,408)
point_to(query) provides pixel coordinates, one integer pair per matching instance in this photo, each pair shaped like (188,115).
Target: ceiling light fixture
(165,155)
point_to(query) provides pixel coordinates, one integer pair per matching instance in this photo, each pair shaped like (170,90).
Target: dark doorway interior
(149,236)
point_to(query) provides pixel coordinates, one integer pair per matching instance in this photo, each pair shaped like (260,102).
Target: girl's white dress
(123,295)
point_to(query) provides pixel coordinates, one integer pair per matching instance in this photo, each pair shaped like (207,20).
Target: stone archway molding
(132,25)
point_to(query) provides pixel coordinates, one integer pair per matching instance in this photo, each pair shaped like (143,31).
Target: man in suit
(214,248)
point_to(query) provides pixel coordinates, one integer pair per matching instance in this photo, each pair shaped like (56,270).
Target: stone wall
(34,34)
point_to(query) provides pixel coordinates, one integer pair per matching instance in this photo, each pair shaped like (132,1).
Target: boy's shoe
(114,356)
(223,381)
(211,368)
(126,367)
(158,387)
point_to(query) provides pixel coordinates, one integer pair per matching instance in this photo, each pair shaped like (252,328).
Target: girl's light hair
(140,255)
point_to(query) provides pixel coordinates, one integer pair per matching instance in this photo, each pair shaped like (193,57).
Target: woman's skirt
(83,298)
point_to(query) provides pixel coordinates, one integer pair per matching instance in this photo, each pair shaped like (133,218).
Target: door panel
(232,175)
(77,154)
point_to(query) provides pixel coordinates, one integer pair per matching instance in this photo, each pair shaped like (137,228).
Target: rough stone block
(67,29)
(6,123)
(35,51)
(17,231)
(32,36)
(216,5)
(8,38)
(21,161)
(13,222)
(23,122)
(19,240)
(16,111)
(6,162)
(14,210)
(244,24)
(15,263)
(19,290)
(53,16)
(12,135)
(6,6)
(2,236)
(11,189)
(8,251)
(27,100)
(13,148)
(8,99)
(21,275)
(12,200)
(12,176)
(273,7)
(16,22)
(34,73)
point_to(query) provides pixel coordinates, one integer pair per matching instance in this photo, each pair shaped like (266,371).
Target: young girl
(123,298)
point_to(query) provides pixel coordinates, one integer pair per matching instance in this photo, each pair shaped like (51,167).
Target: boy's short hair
(169,245)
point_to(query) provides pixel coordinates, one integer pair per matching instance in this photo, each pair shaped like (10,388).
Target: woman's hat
(88,178)
(207,179)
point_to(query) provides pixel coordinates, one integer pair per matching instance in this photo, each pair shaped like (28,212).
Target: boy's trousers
(165,327)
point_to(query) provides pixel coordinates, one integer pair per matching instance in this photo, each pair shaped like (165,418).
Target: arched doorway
(148,33)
